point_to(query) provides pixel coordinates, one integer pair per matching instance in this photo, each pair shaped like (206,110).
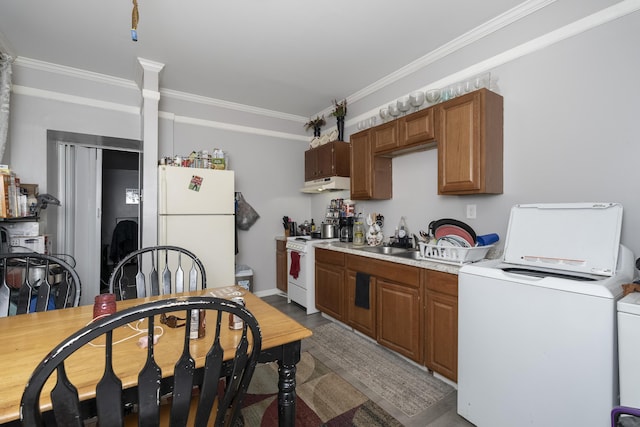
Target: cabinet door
(330,288)
(358,317)
(417,128)
(370,176)
(441,346)
(385,137)
(441,320)
(310,165)
(470,144)
(281,265)
(399,318)
(325,165)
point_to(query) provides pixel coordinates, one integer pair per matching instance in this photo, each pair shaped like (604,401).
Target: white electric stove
(301,281)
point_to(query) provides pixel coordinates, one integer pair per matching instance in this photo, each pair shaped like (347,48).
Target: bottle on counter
(358,232)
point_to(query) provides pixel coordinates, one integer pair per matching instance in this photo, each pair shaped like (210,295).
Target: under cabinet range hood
(332,183)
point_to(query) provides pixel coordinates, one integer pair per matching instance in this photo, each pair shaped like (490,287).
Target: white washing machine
(629,349)
(537,329)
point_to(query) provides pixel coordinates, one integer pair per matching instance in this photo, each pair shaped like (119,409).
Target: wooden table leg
(287,384)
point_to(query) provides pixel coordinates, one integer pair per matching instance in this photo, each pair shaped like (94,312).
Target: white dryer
(629,349)
(537,329)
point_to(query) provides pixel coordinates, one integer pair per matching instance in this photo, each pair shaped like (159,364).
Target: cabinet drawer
(330,257)
(281,245)
(445,283)
(399,273)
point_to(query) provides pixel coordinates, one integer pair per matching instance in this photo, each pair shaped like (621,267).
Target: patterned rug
(323,399)
(402,384)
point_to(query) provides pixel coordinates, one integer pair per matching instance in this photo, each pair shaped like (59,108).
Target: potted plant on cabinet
(339,112)
(316,124)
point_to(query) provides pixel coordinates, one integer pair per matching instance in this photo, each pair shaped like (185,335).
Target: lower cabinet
(399,318)
(281,265)
(412,311)
(360,318)
(330,287)
(441,314)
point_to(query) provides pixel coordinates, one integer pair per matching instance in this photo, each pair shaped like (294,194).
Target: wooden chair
(220,385)
(157,270)
(36,282)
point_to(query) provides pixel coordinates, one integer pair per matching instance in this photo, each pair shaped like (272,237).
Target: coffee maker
(346,229)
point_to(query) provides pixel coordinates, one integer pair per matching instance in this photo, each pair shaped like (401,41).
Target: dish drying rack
(453,254)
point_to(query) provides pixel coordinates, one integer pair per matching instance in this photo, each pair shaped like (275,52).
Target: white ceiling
(289,56)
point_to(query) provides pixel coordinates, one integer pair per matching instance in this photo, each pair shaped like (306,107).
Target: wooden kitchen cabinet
(384,137)
(358,317)
(399,318)
(441,319)
(330,159)
(330,283)
(470,144)
(370,175)
(281,265)
(413,132)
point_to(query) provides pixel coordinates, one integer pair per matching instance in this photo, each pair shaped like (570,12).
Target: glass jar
(104,305)
(358,233)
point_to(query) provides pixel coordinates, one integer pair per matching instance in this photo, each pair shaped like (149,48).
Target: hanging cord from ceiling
(134,21)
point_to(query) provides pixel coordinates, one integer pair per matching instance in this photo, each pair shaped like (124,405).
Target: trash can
(244,277)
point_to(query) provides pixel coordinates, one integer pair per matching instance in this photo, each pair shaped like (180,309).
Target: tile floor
(442,414)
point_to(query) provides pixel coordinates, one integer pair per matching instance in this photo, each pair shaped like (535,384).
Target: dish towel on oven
(295,264)
(362,290)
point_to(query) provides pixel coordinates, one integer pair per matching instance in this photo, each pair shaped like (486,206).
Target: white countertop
(349,248)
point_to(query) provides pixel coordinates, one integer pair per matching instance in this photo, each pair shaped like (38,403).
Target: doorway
(92,177)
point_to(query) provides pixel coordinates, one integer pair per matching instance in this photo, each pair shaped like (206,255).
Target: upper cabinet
(331,159)
(409,133)
(370,175)
(470,139)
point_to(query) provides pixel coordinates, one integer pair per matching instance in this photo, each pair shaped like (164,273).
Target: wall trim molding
(466,39)
(213,102)
(73,99)
(232,127)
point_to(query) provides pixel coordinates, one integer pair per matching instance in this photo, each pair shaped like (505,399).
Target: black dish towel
(362,290)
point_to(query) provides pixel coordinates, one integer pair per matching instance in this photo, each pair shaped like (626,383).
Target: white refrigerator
(196,209)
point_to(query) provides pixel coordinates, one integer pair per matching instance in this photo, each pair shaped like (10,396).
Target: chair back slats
(141,287)
(183,381)
(148,385)
(36,282)
(212,371)
(44,292)
(179,275)
(65,396)
(109,406)
(155,286)
(160,271)
(193,277)
(108,392)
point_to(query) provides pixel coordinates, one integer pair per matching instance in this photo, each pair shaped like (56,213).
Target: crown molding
(509,17)
(72,99)
(213,102)
(230,127)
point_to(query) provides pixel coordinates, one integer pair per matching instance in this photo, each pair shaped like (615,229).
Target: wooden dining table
(27,338)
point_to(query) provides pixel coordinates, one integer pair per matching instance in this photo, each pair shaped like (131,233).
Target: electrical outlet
(471,211)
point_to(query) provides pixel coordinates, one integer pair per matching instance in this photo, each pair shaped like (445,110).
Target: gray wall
(570,112)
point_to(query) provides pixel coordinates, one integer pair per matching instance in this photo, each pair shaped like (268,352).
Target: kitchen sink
(410,254)
(385,250)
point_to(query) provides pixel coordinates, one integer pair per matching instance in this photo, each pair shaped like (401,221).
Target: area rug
(323,399)
(401,383)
